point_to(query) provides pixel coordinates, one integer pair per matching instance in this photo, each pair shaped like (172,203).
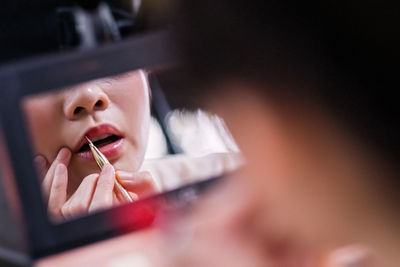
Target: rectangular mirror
(165,157)
(149,152)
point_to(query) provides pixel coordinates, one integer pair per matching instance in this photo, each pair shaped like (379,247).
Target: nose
(85,100)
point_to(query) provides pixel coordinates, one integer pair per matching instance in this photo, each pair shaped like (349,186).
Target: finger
(103,195)
(142,183)
(116,200)
(41,166)
(58,192)
(119,196)
(63,156)
(121,199)
(79,202)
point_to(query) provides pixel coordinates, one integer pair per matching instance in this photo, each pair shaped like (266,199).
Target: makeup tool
(101,161)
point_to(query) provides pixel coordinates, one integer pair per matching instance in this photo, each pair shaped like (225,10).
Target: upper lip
(96,131)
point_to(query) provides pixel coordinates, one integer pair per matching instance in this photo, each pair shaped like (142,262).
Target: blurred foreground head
(308,91)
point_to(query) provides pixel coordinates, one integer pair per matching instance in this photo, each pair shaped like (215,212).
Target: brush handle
(101,161)
(122,190)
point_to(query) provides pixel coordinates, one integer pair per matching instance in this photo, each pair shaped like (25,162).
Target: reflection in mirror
(114,113)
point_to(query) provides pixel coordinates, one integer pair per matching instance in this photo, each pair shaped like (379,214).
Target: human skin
(312,183)
(59,120)
(308,187)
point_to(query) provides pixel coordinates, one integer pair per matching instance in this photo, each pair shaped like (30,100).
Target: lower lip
(110,151)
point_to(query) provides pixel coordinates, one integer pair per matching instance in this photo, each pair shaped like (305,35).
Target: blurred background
(294,103)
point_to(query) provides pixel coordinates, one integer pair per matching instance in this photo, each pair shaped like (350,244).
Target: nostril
(77,110)
(99,103)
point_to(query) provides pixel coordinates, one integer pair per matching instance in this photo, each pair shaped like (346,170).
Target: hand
(46,173)
(142,183)
(95,191)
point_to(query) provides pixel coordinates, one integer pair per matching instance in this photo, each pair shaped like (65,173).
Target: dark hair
(343,54)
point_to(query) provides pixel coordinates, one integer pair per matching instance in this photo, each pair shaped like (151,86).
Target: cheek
(267,157)
(132,99)
(294,187)
(275,169)
(269,166)
(42,126)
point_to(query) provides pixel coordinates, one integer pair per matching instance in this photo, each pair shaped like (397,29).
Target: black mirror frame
(57,71)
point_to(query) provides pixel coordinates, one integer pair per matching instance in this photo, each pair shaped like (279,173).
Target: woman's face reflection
(114,112)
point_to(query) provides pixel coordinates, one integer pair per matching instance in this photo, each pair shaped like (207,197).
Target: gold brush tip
(98,156)
(90,142)
(101,161)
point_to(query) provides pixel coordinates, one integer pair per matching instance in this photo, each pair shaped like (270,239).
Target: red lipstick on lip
(110,150)
(99,130)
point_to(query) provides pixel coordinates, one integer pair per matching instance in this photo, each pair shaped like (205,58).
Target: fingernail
(130,180)
(60,170)
(108,169)
(123,175)
(63,154)
(40,162)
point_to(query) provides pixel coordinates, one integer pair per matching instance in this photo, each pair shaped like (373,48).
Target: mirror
(117,114)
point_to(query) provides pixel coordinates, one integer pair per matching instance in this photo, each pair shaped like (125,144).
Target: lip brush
(101,161)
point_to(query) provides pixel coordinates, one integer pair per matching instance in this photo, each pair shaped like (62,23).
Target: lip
(110,151)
